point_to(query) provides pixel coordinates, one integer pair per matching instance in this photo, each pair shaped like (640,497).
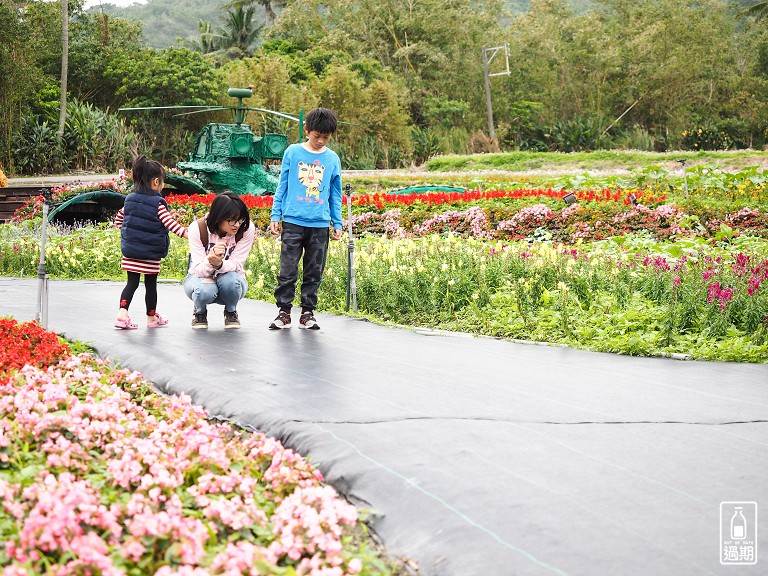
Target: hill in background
(164,21)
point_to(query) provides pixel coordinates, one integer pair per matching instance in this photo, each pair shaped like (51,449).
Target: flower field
(100,475)
(660,268)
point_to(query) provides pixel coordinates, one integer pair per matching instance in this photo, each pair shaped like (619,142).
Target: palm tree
(231,41)
(209,40)
(268,5)
(239,31)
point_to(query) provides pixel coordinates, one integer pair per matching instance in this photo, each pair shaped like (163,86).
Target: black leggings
(150,283)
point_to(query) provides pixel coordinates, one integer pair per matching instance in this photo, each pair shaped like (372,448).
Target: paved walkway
(476,456)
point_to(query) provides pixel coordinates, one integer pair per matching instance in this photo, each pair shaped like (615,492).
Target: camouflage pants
(312,243)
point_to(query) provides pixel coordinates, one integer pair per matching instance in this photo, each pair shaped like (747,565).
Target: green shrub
(37,150)
(580,134)
(636,138)
(706,138)
(425,144)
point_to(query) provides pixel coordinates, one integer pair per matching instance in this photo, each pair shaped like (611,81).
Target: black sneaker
(308,321)
(283,320)
(200,320)
(231,320)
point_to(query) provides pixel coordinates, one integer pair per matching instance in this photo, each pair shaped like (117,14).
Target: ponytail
(144,171)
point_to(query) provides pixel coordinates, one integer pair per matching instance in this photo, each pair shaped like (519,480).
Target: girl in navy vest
(144,222)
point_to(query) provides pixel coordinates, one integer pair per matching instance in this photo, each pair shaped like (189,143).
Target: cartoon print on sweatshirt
(311,176)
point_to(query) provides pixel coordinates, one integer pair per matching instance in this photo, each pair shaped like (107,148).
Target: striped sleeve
(119,218)
(169,222)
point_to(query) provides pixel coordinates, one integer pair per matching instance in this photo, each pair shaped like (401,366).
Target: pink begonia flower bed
(100,475)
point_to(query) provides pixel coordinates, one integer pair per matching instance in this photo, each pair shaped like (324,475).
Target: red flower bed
(436,198)
(380,201)
(207,199)
(27,343)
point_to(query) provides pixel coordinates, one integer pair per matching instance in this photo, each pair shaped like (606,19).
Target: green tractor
(231,156)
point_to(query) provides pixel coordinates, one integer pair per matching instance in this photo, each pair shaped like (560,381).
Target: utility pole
(487,75)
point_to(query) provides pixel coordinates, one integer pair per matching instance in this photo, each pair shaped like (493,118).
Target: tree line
(406,76)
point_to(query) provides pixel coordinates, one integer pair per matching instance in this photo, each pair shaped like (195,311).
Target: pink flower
(723,295)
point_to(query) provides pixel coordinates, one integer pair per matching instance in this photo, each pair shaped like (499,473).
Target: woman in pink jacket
(219,245)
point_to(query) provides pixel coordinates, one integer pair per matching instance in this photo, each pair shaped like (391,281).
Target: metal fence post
(351,287)
(41,314)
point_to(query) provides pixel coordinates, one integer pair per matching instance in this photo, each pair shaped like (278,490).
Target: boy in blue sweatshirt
(307,202)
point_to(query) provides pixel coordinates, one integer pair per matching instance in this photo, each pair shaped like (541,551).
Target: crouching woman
(219,244)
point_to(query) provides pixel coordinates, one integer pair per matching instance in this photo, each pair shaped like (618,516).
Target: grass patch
(598,160)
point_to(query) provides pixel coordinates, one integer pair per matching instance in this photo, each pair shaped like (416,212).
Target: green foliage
(37,150)
(575,70)
(444,112)
(273,88)
(431,45)
(522,127)
(425,144)
(631,294)
(93,139)
(580,134)
(96,140)
(453,140)
(636,138)
(706,138)
(20,74)
(95,39)
(172,77)
(374,115)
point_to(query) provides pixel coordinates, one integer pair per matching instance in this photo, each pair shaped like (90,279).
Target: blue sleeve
(282,188)
(335,198)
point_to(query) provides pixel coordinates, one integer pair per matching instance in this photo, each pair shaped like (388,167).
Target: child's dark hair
(321,120)
(144,171)
(227,206)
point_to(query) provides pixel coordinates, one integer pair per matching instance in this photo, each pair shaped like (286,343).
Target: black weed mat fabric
(473,456)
